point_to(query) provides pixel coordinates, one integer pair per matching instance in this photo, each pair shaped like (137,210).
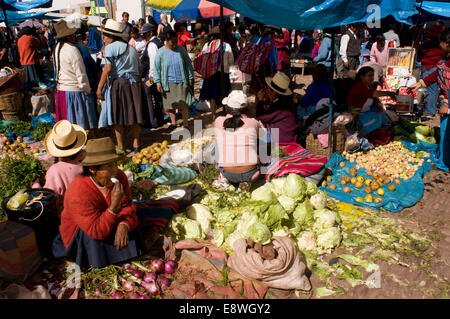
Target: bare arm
(106,71)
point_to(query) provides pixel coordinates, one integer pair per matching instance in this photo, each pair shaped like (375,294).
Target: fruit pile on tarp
(406,194)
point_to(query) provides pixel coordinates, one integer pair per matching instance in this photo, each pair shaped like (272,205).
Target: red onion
(97,292)
(170,266)
(132,295)
(143,297)
(151,287)
(137,273)
(157,265)
(147,262)
(129,267)
(128,285)
(116,294)
(150,276)
(163,282)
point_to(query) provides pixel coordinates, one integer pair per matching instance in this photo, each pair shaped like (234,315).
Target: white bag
(41,104)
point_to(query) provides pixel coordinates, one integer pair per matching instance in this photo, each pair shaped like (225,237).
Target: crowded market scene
(192,149)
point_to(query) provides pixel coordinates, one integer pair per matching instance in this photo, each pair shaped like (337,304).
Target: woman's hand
(159,88)
(415,87)
(121,239)
(443,109)
(100,95)
(117,194)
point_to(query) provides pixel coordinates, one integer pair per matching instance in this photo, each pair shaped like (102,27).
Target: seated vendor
(237,137)
(65,142)
(368,112)
(316,91)
(99,217)
(275,109)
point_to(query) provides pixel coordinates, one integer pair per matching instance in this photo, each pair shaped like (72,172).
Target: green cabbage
(229,241)
(277,185)
(185,228)
(430,140)
(281,232)
(274,215)
(311,188)
(303,213)
(252,229)
(263,193)
(324,292)
(287,203)
(202,215)
(423,130)
(328,239)
(419,136)
(294,187)
(306,241)
(319,200)
(323,219)
(356,261)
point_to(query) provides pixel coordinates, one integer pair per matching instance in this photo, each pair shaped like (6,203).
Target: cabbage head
(303,213)
(328,239)
(323,219)
(202,215)
(311,188)
(306,241)
(281,232)
(229,241)
(294,187)
(277,185)
(185,228)
(319,200)
(287,203)
(252,229)
(263,193)
(274,215)
(423,129)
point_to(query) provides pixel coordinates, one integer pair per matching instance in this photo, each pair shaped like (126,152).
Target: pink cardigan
(379,57)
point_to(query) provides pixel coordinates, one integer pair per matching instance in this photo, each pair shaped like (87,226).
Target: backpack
(254,56)
(207,63)
(443,76)
(145,61)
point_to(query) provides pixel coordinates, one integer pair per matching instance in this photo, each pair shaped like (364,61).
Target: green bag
(172,175)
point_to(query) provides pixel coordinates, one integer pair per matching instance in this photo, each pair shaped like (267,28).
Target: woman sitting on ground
(316,91)
(275,109)
(64,142)
(368,112)
(236,137)
(99,217)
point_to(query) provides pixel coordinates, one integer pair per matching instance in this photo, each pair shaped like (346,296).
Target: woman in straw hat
(99,217)
(211,89)
(236,136)
(74,101)
(64,142)
(276,109)
(124,89)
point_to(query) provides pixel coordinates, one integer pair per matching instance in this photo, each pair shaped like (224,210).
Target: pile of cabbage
(287,206)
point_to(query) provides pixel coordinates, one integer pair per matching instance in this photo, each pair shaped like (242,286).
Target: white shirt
(151,51)
(344,44)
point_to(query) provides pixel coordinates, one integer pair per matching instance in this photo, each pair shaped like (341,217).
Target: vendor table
(298,65)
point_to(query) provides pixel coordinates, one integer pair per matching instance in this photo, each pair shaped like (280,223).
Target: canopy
(440,9)
(162,5)
(15,17)
(319,14)
(13,5)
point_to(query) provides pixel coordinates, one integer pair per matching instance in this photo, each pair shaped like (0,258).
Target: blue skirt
(211,89)
(87,251)
(82,109)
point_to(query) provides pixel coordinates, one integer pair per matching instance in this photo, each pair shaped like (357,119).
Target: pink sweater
(379,57)
(238,148)
(59,176)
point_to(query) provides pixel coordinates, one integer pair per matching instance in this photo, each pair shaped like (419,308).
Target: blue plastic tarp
(319,14)
(14,5)
(440,9)
(15,17)
(406,194)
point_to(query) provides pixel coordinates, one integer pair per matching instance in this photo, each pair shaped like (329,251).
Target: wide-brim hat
(235,100)
(100,151)
(114,28)
(65,139)
(63,30)
(279,83)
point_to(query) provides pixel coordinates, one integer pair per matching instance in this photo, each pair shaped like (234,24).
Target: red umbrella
(211,10)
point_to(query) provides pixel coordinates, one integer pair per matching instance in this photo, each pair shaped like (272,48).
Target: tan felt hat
(62,30)
(100,151)
(279,83)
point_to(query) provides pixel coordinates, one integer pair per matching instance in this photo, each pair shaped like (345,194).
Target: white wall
(133,7)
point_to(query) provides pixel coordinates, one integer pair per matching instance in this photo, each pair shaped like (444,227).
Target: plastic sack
(15,291)
(41,104)
(172,175)
(203,106)
(45,118)
(343,119)
(352,143)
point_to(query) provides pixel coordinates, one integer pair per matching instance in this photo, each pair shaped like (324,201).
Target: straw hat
(65,139)
(235,100)
(114,28)
(63,30)
(100,151)
(279,83)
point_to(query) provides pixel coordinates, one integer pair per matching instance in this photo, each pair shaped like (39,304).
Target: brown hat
(62,30)
(100,151)
(215,30)
(279,83)
(65,139)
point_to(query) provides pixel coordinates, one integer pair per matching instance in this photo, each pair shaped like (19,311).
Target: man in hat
(156,115)
(429,54)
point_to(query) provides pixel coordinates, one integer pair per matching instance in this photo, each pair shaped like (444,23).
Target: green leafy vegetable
(294,187)
(41,131)
(263,193)
(303,214)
